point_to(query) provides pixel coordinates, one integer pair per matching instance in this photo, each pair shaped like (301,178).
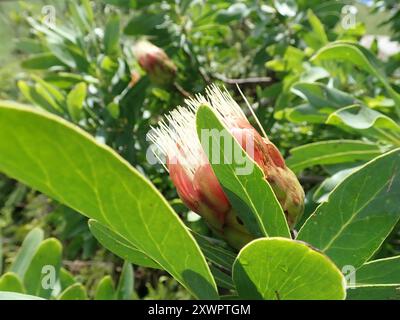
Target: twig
(311,179)
(182,91)
(254,80)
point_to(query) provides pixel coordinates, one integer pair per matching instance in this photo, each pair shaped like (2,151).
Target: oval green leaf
(105,289)
(11,282)
(284,269)
(360,213)
(44,268)
(43,151)
(74,292)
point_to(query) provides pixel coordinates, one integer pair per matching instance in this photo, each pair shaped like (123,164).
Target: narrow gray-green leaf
(95,181)
(26,252)
(321,97)
(243,183)
(75,100)
(361,57)
(41,61)
(321,194)
(367,122)
(5,295)
(111,35)
(318,28)
(126,281)
(359,214)
(284,269)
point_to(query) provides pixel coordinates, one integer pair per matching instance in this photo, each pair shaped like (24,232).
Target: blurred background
(77,59)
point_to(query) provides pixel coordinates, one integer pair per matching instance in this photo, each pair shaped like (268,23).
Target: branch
(311,179)
(254,80)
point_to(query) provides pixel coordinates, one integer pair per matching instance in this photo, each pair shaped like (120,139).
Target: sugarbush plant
(303,201)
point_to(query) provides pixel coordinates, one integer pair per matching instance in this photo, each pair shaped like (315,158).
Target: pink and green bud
(159,67)
(194,179)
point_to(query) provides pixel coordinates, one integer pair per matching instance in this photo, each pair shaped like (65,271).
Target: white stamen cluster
(176,135)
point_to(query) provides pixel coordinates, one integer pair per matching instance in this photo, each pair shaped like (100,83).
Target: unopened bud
(159,67)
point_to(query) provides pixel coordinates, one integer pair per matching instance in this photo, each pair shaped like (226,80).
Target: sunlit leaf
(359,214)
(283,269)
(43,151)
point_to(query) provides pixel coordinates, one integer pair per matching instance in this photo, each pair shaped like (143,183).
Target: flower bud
(159,67)
(194,179)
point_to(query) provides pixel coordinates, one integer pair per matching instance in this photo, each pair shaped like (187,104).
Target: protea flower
(191,173)
(159,67)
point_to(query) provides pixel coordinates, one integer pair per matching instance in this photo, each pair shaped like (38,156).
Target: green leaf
(33,96)
(321,101)
(111,35)
(331,152)
(145,24)
(223,279)
(105,289)
(1,252)
(125,284)
(78,16)
(215,253)
(318,35)
(283,269)
(47,98)
(51,89)
(5,295)
(321,194)
(28,45)
(104,187)
(234,12)
(243,183)
(42,61)
(120,246)
(384,292)
(122,3)
(113,109)
(379,272)
(66,279)
(322,96)
(86,5)
(359,56)
(26,252)
(366,122)
(76,99)
(74,292)
(11,282)
(44,268)
(360,213)
(287,8)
